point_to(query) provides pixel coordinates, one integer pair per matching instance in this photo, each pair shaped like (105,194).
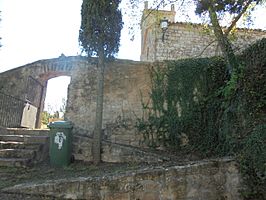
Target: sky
(41,29)
(32,30)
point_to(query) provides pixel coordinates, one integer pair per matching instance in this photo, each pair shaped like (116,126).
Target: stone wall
(114,152)
(210,180)
(126,84)
(188,40)
(15,82)
(185,40)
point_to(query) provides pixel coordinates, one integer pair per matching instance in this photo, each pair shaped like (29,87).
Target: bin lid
(60,124)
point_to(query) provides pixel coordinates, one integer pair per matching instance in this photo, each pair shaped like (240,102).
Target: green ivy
(174,112)
(218,115)
(252,160)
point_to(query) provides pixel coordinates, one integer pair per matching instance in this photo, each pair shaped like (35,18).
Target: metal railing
(11,111)
(34,91)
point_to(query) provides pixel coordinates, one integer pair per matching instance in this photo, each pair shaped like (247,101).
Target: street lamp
(164,26)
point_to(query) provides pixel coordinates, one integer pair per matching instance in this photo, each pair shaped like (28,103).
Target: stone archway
(63,66)
(28,81)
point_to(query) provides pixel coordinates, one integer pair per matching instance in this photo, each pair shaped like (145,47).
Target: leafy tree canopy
(100,27)
(231,6)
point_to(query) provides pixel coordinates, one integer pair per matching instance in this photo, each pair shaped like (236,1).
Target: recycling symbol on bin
(59,139)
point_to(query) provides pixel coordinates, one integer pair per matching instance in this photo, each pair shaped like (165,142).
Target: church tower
(151,30)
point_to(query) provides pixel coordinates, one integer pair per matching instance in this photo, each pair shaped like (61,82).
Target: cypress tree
(99,35)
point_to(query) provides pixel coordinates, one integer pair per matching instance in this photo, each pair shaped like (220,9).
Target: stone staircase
(23,147)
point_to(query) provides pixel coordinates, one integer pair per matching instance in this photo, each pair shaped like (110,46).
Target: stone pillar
(146,5)
(173,7)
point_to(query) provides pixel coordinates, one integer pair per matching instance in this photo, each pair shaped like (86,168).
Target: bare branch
(151,10)
(235,20)
(205,48)
(162,2)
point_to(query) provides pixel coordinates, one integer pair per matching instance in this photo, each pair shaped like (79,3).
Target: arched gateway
(23,89)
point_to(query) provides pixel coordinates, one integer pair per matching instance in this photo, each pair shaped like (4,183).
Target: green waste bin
(60,143)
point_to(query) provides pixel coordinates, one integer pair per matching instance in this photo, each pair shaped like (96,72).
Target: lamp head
(164,24)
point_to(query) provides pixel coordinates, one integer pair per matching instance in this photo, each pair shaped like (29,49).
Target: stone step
(17,153)
(14,162)
(19,145)
(23,147)
(28,139)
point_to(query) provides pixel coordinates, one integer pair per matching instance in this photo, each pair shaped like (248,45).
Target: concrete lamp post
(164,26)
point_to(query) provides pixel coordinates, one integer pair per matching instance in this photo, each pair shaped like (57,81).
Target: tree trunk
(223,41)
(97,134)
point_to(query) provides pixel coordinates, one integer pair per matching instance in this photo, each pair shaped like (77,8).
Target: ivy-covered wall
(197,107)
(177,94)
